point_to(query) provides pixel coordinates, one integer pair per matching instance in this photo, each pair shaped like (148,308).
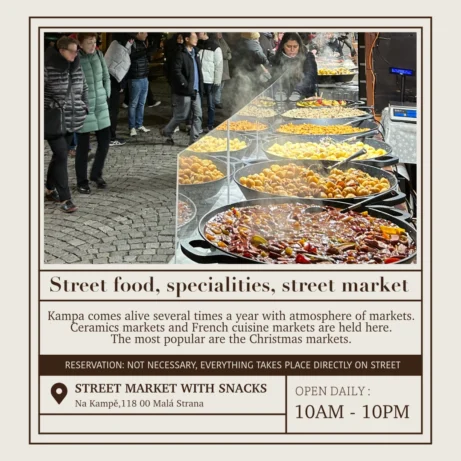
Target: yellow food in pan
(298,181)
(323,151)
(325,112)
(317,102)
(243,125)
(194,170)
(337,71)
(213,144)
(310,129)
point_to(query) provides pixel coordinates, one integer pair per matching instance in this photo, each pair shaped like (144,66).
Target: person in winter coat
(172,45)
(227,56)
(98,120)
(249,66)
(65,85)
(211,58)
(138,83)
(277,39)
(266,40)
(296,66)
(249,52)
(118,62)
(187,88)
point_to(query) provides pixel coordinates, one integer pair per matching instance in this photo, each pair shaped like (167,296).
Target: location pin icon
(59,392)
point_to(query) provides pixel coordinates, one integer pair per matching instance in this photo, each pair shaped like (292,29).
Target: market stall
(307,182)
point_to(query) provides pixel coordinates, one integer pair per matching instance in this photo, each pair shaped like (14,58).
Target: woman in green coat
(98,120)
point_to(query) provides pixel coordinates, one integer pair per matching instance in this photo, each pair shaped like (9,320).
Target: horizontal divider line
(162,414)
(225,300)
(238,433)
(303,271)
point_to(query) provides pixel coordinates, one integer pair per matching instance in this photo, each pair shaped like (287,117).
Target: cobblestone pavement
(133,220)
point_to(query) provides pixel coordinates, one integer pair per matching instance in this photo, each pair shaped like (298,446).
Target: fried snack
(329,112)
(337,71)
(297,181)
(213,144)
(254,111)
(323,151)
(194,170)
(264,102)
(243,125)
(310,129)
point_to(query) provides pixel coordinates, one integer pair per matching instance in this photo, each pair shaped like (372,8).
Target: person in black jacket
(296,66)
(187,88)
(65,86)
(138,83)
(172,45)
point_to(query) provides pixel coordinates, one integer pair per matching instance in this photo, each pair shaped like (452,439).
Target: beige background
(14,385)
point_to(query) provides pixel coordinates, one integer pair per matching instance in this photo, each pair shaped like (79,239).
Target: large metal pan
(265,120)
(373,128)
(249,133)
(336,78)
(349,103)
(241,153)
(384,160)
(206,190)
(371,170)
(215,255)
(330,121)
(186,222)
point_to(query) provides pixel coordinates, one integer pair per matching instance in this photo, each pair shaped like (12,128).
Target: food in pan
(290,234)
(264,102)
(337,71)
(319,102)
(310,129)
(298,181)
(323,150)
(185,213)
(213,144)
(194,170)
(254,111)
(243,125)
(328,112)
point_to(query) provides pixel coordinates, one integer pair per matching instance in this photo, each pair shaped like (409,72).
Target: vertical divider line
(286,404)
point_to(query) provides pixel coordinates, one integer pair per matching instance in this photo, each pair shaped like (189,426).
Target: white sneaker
(176,129)
(133,132)
(144,129)
(125,106)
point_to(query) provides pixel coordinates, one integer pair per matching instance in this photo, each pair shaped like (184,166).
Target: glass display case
(265,187)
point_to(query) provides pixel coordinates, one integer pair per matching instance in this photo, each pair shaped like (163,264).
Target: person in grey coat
(227,56)
(266,40)
(249,67)
(65,85)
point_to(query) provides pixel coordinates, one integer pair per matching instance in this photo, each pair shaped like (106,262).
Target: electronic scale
(403,112)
